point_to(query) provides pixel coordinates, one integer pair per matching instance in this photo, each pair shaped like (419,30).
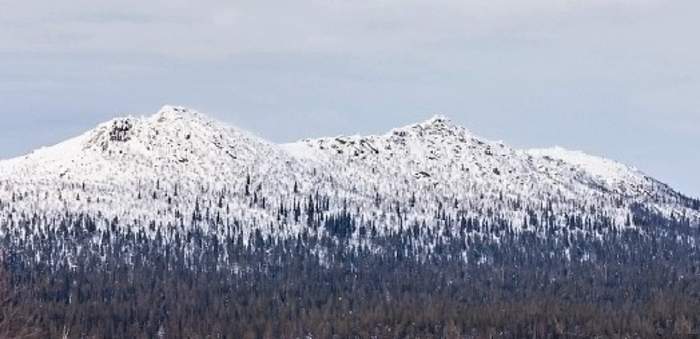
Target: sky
(616,78)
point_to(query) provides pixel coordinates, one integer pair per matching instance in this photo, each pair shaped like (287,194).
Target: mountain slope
(439,161)
(180,169)
(149,169)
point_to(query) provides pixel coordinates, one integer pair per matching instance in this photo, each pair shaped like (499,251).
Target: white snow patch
(300,150)
(608,170)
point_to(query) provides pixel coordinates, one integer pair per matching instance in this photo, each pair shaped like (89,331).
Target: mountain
(438,161)
(178,226)
(180,169)
(146,169)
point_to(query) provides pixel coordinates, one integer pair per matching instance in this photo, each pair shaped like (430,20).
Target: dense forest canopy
(340,278)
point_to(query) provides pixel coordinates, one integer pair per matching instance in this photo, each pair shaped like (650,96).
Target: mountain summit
(171,167)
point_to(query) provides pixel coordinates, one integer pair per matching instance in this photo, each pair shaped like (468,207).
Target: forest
(340,278)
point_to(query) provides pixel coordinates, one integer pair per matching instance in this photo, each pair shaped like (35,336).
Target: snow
(608,170)
(301,151)
(158,168)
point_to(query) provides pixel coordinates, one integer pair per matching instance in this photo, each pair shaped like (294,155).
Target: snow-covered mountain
(180,169)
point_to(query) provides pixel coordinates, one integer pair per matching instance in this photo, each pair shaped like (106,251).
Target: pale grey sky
(618,78)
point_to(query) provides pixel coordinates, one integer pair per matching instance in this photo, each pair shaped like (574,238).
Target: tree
(14,321)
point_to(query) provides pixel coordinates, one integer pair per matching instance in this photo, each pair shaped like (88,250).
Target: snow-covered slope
(437,160)
(181,169)
(157,168)
(609,172)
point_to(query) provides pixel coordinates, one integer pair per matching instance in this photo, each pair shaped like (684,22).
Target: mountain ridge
(161,168)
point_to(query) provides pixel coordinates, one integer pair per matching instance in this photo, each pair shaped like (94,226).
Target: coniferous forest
(339,278)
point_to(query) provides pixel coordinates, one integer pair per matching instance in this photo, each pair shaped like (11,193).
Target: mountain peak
(436,125)
(171,125)
(438,119)
(172,112)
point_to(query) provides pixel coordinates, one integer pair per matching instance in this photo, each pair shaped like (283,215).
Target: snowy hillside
(180,169)
(157,168)
(439,161)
